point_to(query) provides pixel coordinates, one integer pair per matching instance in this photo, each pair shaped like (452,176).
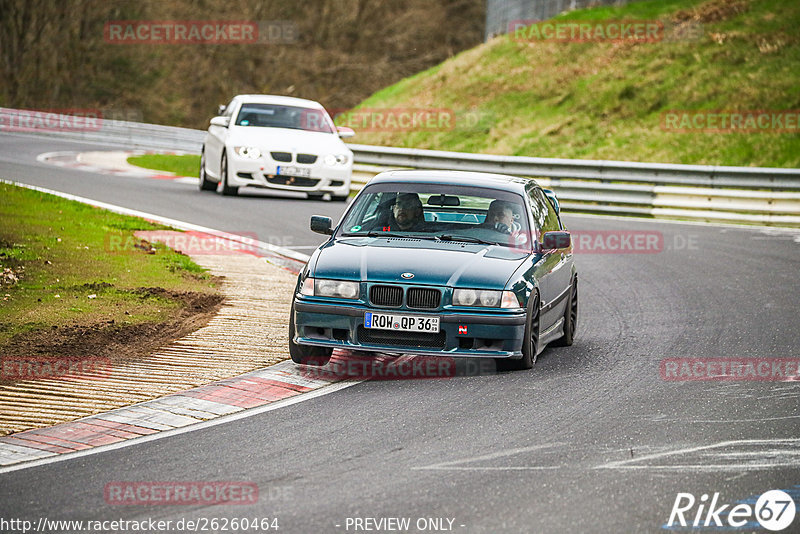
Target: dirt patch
(714,11)
(118,343)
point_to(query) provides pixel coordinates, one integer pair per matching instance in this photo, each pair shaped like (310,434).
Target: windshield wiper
(385,234)
(404,236)
(467,239)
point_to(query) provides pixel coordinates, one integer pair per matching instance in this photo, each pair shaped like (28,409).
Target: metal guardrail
(701,192)
(102,131)
(604,171)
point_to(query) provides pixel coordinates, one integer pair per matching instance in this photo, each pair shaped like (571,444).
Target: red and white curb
(220,402)
(240,394)
(111,163)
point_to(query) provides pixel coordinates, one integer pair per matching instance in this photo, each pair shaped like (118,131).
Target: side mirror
(221,121)
(549,193)
(321,225)
(556,240)
(221,109)
(345,132)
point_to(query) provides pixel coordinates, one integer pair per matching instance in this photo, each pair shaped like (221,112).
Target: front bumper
(474,335)
(263,173)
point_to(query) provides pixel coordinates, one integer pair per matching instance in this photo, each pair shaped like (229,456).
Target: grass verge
(68,286)
(184,165)
(607,100)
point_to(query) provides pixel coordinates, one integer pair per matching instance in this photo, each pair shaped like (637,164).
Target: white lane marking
(764,454)
(192,428)
(275,249)
(726,421)
(453,465)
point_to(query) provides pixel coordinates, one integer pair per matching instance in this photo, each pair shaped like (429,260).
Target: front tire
(340,198)
(222,187)
(530,343)
(570,317)
(306,354)
(205,183)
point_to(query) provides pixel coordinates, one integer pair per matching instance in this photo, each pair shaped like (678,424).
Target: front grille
(402,339)
(292,180)
(306,158)
(281,156)
(421,297)
(386,295)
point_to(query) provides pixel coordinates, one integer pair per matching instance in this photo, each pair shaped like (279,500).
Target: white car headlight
(248,152)
(332,160)
(321,287)
(485,298)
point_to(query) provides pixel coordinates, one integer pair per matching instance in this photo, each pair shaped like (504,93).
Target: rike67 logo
(774,510)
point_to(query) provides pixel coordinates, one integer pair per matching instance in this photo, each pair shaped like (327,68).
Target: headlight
(329,288)
(248,152)
(485,298)
(336,159)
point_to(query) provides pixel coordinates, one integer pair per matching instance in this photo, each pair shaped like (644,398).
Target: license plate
(284,170)
(405,323)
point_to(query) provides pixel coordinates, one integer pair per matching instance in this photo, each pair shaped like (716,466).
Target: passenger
(407,213)
(500,216)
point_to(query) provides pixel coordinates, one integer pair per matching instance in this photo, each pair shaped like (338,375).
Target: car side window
(538,210)
(544,214)
(551,222)
(229,108)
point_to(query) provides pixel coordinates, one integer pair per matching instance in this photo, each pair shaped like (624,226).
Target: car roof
(468,178)
(280,100)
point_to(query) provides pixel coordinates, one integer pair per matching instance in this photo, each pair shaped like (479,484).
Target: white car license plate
(301,172)
(405,323)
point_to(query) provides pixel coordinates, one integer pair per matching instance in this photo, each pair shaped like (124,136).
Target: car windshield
(277,116)
(439,213)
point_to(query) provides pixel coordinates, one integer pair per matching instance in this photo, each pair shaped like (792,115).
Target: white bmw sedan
(276,142)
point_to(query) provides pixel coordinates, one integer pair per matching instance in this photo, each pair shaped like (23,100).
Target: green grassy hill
(606,100)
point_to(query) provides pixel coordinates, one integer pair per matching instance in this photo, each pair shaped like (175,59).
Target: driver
(407,212)
(500,216)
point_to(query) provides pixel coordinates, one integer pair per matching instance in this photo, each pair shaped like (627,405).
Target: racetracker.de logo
(577,31)
(192,242)
(396,119)
(369,368)
(608,242)
(763,121)
(50,120)
(199,32)
(730,369)
(181,493)
(55,368)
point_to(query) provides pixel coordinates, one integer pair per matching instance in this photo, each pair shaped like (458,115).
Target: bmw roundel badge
(407,276)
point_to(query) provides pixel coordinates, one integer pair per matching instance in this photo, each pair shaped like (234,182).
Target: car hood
(452,264)
(286,140)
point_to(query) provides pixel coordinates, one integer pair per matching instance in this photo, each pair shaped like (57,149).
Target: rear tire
(340,198)
(205,183)
(315,196)
(570,317)
(306,354)
(222,187)
(530,343)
